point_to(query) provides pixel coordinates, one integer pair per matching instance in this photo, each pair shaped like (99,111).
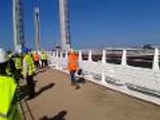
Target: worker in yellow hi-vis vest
(29,71)
(44,59)
(7,87)
(18,65)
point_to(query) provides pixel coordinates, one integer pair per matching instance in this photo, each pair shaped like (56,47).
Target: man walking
(73,66)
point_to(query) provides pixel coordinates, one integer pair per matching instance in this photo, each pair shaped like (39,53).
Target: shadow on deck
(58,100)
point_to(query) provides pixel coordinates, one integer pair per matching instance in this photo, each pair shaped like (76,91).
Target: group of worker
(14,67)
(40,59)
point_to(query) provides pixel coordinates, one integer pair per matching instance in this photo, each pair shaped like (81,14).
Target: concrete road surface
(58,100)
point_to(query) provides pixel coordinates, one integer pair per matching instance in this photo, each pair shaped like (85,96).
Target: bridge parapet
(135,81)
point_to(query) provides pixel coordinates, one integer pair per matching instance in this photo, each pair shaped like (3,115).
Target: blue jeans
(72,74)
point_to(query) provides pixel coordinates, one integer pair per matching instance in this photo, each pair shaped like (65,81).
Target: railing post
(54,54)
(66,54)
(155,65)
(80,55)
(103,77)
(61,54)
(104,56)
(124,58)
(57,54)
(90,56)
(50,54)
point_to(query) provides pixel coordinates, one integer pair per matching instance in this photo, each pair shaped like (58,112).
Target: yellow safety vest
(18,63)
(30,63)
(7,91)
(8,71)
(44,56)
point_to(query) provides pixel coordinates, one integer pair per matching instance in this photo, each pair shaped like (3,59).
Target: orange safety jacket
(36,57)
(73,62)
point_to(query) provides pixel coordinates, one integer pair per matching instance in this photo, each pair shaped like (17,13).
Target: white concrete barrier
(135,81)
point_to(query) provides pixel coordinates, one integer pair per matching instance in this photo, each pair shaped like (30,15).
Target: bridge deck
(58,100)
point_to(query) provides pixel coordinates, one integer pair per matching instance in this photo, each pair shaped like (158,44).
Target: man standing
(73,66)
(36,58)
(7,88)
(18,65)
(28,72)
(44,58)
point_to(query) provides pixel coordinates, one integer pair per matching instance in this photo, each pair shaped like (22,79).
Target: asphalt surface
(57,100)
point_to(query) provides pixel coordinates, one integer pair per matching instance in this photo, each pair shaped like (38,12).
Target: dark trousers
(72,75)
(43,63)
(37,64)
(31,86)
(19,75)
(46,63)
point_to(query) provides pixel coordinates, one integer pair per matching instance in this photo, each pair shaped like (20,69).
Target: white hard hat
(71,50)
(3,56)
(18,49)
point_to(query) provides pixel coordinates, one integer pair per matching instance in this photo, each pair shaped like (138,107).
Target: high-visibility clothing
(8,71)
(18,63)
(10,55)
(73,61)
(29,68)
(36,57)
(7,91)
(44,56)
(10,68)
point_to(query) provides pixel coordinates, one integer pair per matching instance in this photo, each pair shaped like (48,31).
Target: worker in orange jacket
(36,58)
(73,66)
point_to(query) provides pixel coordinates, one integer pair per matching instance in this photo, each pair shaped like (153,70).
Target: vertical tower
(64,24)
(18,29)
(37,27)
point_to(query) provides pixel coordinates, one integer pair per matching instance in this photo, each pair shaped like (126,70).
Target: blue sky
(93,23)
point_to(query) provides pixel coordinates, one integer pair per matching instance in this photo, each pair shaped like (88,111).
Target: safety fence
(140,82)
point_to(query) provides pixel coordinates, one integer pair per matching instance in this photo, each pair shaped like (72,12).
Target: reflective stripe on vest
(18,63)
(31,67)
(8,71)
(7,91)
